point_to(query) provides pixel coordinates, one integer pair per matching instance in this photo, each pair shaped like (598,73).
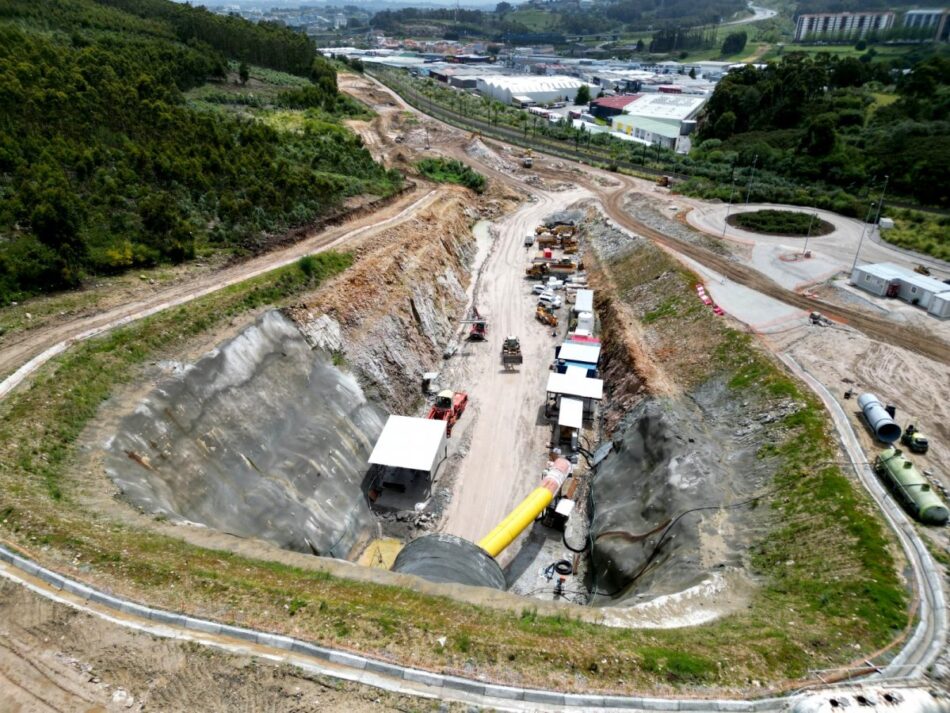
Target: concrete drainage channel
(425,684)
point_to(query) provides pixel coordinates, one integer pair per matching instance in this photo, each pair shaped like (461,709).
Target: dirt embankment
(391,315)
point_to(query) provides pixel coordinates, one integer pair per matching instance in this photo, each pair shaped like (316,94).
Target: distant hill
(104,166)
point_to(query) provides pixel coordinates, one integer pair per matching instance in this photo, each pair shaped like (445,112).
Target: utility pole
(808,235)
(861,239)
(751,179)
(725,223)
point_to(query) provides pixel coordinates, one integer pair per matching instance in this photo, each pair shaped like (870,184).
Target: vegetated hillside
(821,119)
(103,165)
(556,19)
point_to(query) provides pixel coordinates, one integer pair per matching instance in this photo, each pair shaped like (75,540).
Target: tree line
(104,166)
(822,119)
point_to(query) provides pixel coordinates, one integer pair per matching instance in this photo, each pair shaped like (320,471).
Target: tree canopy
(105,166)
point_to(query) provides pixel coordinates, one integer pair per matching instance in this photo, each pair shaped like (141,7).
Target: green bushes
(918,231)
(781,222)
(445,170)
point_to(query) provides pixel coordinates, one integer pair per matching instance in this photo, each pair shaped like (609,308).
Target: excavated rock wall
(666,505)
(262,437)
(391,315)
(268,435)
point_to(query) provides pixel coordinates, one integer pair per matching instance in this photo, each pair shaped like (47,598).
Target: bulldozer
(511,352)
(546,315)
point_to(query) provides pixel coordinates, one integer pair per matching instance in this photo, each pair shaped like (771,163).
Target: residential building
(841,26)
(937,21)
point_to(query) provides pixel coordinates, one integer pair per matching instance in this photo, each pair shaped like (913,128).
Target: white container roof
(575,385)
(579,351)
(666,106)
(571,413)
(584,302)
(890,271)
(407,442)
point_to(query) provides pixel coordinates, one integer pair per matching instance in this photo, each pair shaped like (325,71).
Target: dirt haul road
(611,191)
(507,451)
(29,350)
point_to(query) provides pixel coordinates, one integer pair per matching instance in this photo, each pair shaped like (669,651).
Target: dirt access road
(509,437)
(27,351)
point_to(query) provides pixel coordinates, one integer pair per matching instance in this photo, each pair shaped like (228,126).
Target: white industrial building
(406,457)
(528,89)
(664,119)
(888,280)
(844,26)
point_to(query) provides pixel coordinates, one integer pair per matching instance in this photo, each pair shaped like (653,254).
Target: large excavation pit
(263,437)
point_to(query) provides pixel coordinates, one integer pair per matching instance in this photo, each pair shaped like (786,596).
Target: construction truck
(511,352)
(915,440)
(665,181)
(449,406)
(563,230)
(545,314)
(478,332)
(527,159)
(547,267)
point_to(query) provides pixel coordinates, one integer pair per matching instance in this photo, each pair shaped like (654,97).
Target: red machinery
(449,407)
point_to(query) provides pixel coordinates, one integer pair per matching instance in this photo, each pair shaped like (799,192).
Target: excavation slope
(263,437)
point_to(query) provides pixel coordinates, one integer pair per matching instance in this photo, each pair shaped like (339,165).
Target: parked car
(550,299)
(539,288)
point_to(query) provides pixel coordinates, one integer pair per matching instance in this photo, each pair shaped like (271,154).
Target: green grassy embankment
(922,232)
(442,170)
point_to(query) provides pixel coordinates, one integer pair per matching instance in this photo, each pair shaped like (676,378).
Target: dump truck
(449,406)
(545,268)
(511,352)
(664,181)
(915,440)
(527,159)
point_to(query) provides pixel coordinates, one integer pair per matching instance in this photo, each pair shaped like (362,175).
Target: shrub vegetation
(104,165)
(445,170)
(781,222)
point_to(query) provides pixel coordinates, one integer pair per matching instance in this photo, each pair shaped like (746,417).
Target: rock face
(671,456)
(391,315)
(263,437)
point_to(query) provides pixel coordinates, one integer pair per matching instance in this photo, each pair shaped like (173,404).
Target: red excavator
(449,407)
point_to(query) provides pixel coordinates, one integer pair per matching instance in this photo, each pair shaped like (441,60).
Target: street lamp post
(751,179)
(880,204)
(861,239)
(808,235)
(732,193)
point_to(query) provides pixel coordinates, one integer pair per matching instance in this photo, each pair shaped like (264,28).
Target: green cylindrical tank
(911,488)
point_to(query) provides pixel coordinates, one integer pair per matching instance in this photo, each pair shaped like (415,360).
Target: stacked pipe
(885,428)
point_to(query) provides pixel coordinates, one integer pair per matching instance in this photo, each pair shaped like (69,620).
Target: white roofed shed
(411,443)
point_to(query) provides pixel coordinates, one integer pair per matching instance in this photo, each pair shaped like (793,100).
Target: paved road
(837,248)
(758,13)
